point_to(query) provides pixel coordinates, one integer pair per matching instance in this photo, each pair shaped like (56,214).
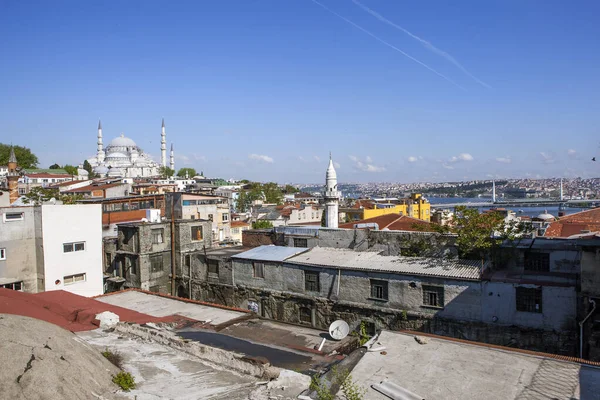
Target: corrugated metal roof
(348,259)
(271,253)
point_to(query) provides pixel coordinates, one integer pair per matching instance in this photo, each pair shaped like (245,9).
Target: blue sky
(264,89)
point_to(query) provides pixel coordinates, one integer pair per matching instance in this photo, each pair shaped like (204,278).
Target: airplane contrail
(389,45)
(424,42)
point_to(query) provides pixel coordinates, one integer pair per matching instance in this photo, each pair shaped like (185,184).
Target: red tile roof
(65,309)
(91,188)
(574,224)
(393,222)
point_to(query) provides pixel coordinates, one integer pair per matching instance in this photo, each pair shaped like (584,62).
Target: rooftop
(372,261)
(452,369)
(271,253)
(575,224)
(392,222)
(163,306)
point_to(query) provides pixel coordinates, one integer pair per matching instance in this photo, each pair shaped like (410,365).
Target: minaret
(332,196)
(172,158)
(561,190)
(163,145)
(493,191)
(12,177)
(100,153)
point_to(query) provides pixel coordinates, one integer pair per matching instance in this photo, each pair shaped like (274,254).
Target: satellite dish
(339,329)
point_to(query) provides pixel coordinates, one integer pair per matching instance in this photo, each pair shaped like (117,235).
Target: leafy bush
(125,381)
(114,357)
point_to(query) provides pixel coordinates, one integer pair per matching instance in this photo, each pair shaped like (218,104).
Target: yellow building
(415,206)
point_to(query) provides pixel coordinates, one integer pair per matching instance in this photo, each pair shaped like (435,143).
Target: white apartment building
(52,247)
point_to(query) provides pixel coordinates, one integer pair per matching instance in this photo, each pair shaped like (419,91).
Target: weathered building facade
(528,299)
(142,255)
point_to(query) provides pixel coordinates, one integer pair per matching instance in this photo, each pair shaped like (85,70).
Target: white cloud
(447,166)
(505,160)
(337,165)
(412,159)
(317,158)
(369,159)
(260,157)
(571,152)
(461,157)
(300,158)
(365,166)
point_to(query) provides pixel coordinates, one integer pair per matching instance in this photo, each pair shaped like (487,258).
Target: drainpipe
(173,270)
(337,293)
(581,328)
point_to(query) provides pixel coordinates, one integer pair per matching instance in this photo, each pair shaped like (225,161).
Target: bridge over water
(523,203)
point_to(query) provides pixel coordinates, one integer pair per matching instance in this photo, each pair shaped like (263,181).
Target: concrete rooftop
(443,369)
(159,306)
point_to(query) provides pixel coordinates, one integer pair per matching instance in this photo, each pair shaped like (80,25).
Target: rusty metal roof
(270,253)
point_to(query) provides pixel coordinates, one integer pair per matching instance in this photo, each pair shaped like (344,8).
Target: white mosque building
(123,158)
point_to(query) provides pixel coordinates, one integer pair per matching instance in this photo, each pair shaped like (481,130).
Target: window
(132,265)
(213,267)
(529,299)
(258,270)
(379,289)
(69,279)
(75,246)
(433,296)
(13,216)
(300,242)
(311,281)
(196,233)
(156,263)
(187,260)
(210,217)
(108,260)
(157,236)
(537,262)
(2,254)
(225,217)
(13,286)
(305,314)
(235,231)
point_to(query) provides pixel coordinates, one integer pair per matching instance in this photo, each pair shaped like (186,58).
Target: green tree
(289,189)
(25,158)
(191,172)
(54,166)
(272,193)
(479,234)
(262,224)
(166,172)
(39,195)
(71,170)
(244,181)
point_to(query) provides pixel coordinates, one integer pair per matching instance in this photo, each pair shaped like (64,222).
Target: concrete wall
(590,272)
(21,240)
(559,307)
(66,224)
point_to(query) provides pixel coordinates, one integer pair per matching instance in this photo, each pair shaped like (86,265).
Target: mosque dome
(545,216)
(101,170)
(116,173)
(116,154)
(122,141)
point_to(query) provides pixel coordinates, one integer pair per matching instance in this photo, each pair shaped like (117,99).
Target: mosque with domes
(122,158)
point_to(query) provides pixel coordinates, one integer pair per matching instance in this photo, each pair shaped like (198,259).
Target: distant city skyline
(263,90)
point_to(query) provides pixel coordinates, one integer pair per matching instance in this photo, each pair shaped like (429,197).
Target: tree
(191,172)
(71,170)
(479,234)
(39,195)
(166,172)
(262,224)
(25,158)
(289,189)
(55,166)
(272,193)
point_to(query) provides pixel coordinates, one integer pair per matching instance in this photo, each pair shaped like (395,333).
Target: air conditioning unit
(153,215)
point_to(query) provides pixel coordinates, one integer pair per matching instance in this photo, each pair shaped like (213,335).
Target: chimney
(12,177)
